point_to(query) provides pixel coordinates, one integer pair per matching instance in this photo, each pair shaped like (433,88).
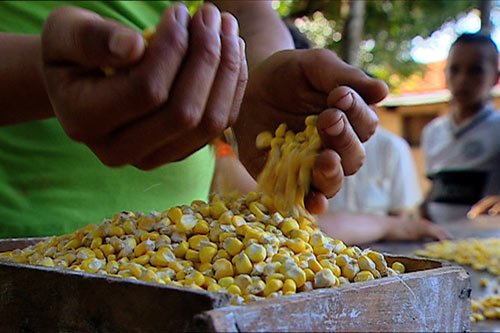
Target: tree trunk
(353,32)
(485,8)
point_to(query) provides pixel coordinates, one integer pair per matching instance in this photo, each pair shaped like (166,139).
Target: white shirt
(474,145)
(387,182)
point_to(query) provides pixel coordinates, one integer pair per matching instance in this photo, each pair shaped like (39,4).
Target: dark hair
(300,41)
(479,38)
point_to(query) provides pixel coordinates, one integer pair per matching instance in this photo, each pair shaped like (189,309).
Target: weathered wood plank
(40,299)
(436,300)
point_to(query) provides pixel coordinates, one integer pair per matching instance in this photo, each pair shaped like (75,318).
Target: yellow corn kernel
(297,275)
(272,286)
(302,234)
(256,252)
(331,266)
(350,270)
(154,236)
(107,249)
(195,277)
(233,245)
(48,262)
(201,227)
(296,244)
(99,254)
(193,255)
(225,281)
(186,223)
(207,254)
(289,225)
(222,268)
(217,209)
(175,215)
(242,263)
(208,281)
(256,288)
(234,289)
(163,257)
(72,244)
(180,276)
(243,281)
(325,279)
(96,242)
(180,251)
(142,260)
(91,265)
(309,274)
(213,287)
(398,267)
(176,266)
(314,265)
(363,276)
(222,254)
(289,287)
(263,140)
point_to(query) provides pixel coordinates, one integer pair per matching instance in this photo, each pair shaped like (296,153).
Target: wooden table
(482,227)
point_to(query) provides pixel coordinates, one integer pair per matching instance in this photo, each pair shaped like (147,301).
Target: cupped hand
(292,84)
(164,102)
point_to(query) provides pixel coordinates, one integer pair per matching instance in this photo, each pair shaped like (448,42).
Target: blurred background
(403,42)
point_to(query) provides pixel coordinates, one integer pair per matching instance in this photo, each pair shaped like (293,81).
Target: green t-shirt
(50,185)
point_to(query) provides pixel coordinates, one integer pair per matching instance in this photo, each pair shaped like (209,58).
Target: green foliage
(389,28)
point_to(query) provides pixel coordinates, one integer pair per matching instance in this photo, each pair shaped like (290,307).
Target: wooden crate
(432,296)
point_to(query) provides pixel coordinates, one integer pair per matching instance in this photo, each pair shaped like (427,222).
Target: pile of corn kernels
(480,254)
(261,245)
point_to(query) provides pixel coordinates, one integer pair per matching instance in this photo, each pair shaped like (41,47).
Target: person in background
(382,199)
(77,146)
(461,148)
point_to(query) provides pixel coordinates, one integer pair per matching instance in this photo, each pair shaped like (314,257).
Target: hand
(410,229)
(489,205)
(290,85)
(164,102)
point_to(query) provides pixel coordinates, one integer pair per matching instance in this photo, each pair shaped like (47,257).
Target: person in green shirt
(77,146)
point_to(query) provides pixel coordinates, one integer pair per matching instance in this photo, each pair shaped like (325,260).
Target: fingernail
(345,102)
(211,17)
(182,15)
(123,42)
(336,128)
(229,25)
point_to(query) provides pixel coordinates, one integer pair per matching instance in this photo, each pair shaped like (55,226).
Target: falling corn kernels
(262,245)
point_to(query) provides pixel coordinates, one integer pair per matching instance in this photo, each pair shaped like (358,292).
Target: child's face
(470,73)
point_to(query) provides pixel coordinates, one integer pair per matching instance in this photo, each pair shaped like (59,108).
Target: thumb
(80,36)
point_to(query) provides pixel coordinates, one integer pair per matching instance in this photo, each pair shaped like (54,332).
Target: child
(461,148)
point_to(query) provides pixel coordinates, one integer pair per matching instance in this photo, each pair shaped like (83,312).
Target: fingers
(240,88)
(325,71)
(490,204)
(435,231)
(80,36)
(327,173)
(90,107)
(361,117)
(337,134)
(207,92)
(316,202)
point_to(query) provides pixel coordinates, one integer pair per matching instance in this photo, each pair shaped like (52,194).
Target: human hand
(488,205)
(410,229)
(290,85)
(164,102)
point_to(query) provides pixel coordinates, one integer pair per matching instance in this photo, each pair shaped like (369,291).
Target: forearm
(260,26)
(22,93)
(354,228)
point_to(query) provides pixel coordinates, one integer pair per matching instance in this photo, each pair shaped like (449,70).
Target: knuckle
(210,50)
(188,117)
(152,91)
(214,124)
(178,40)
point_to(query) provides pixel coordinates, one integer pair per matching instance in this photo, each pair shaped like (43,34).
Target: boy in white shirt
(462,149)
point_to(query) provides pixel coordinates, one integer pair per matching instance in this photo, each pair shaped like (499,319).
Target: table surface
(482,227)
